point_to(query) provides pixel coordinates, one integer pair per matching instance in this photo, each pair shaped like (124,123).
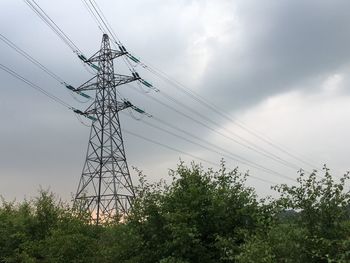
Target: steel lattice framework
(105,189)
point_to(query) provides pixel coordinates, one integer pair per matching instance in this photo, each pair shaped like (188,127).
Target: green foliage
(44,230)
(200,216)
(323,209)
(318,232)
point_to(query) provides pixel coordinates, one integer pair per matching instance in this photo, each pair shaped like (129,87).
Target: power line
(222,152)
(88,8)
(101,19)
(34,61)
(200,99)
(210,128)
(34,86)
(30,58)
(43,68)
(197,97)
(236,158)
(47,20)
(247,144)
(59,32)
(110,30)
(103,24)
(64,37)
(188,154)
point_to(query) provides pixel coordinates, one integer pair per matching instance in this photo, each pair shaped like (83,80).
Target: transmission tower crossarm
(113,106)
(122,79)
(118,106)
(89,116)
(92,84)
(71,88)
(88,85)
(97,56)
(135,108)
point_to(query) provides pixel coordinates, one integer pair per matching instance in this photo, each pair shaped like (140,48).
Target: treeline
(202,216)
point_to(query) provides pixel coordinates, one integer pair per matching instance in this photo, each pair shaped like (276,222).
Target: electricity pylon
(105,189)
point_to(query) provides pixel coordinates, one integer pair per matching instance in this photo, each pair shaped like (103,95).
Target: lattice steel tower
(105,189)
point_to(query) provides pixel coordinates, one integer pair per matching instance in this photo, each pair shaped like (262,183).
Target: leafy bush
(201,216)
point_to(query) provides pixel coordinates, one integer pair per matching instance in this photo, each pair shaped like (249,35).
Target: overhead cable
(34,86)
(188,154)
(201,100)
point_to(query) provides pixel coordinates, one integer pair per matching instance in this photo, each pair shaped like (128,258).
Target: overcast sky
(282,68)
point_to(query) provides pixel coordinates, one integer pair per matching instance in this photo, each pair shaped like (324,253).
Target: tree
(45,230)
(202,216)
(318,232)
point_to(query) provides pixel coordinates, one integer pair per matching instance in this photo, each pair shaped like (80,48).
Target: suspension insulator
(147,84)
(78,111)
(92,118)
(122,49)
(95,67)
(84,95)
(70,87)
(82,57)
(134,59)
(128,103)
(138,110)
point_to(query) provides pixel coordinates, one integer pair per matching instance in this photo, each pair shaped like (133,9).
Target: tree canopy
(200,216)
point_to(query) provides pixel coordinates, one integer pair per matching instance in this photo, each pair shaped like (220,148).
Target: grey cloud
(285,43)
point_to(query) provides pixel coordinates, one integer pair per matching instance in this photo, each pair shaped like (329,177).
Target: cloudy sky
(279,68)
